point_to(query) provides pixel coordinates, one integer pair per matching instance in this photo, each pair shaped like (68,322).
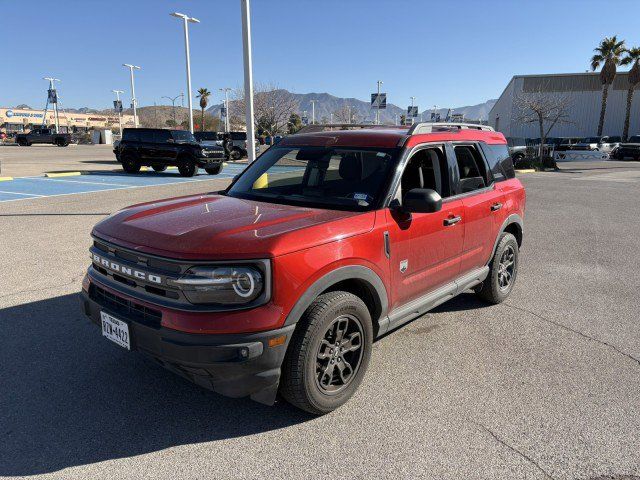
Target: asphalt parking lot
(545,385)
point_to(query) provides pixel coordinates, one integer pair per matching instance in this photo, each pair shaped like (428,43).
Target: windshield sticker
(361,196)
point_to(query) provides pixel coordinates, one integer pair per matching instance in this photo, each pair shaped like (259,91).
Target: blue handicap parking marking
(38,187)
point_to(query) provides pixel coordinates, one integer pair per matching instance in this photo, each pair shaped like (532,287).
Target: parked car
(603,144)
(628,149)
(517,148)
(160,148)
(566,143)
(43,135)
(329,240)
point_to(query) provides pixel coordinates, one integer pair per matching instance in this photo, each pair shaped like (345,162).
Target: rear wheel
(130,164)
(329,353)
(236,154)
(503,270)
(187,167)
(61,142)
(214,170)
(159,168)
(23,142)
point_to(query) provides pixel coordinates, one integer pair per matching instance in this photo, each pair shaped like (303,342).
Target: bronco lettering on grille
(128,271)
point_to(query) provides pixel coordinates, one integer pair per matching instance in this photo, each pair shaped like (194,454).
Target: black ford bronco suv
(159,148)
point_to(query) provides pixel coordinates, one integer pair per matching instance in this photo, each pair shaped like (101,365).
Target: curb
(5,179)
(62,174)
(526,170)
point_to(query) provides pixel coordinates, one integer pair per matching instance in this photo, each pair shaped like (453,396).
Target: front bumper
(234,365)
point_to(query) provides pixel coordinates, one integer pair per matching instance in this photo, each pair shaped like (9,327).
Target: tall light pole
(173,104)
(331,117)
(134,101)
(186,20)
(435,111)
(313,111)
(118,106)
(226,107)
(379,82)
(55,103)
(248,78)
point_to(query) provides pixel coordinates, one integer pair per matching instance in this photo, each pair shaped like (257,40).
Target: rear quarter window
(500,162)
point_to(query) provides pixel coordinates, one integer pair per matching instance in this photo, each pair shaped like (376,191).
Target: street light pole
(134,101)
(173,104)
(118,92)
(380,82)
(186,21)
(226,107)
(248,78)
(313,112)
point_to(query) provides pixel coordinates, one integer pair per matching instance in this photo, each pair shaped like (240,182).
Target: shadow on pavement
(69,397)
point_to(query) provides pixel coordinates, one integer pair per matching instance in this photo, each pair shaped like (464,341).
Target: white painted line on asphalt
(77,181)
(25,194)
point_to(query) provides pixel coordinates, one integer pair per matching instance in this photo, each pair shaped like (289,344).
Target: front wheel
(236,154)
(130,164)
(214,170)
(503,269)
(187,168)
(329,353)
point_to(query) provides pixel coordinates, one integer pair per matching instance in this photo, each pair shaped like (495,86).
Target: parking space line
(25,194)
(76,181)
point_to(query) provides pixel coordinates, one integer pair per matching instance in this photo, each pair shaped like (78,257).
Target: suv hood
(215,226)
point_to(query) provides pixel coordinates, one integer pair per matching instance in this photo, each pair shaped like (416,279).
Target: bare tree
(345,114)
(546,109)
(272,108)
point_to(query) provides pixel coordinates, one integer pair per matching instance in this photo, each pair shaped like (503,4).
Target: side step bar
(420,306)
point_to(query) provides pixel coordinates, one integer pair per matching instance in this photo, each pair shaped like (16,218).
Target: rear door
(146,146)
(484,210)
(162,150)
(424,248)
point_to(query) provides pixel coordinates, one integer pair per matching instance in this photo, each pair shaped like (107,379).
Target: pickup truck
(282,281)
(43,135)
(628,149)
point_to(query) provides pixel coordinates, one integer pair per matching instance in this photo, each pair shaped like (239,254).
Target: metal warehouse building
(583,91)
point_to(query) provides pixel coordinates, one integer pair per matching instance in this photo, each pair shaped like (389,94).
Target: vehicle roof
(388,136)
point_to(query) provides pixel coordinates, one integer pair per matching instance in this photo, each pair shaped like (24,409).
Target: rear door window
(472,169)
(131,135)
(146,136)
(161,136)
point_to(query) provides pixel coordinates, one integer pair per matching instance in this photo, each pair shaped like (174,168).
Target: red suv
(332,238)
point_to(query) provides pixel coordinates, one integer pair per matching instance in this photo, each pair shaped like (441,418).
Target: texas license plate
(115,330)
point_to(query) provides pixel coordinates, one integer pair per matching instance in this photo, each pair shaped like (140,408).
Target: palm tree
(608,54)
(633,57)
(203,95)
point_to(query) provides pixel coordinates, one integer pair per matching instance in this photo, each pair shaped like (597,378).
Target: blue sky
(449,53)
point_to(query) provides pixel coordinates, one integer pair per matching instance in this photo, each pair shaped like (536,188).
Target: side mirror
(422,200)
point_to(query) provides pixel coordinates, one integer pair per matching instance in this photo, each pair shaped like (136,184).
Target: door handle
(452,221)
(496,206)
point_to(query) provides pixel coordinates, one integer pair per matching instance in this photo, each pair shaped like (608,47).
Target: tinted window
(634,139)
(426,169)
(130,135)
(161,136)
(333,178)
(146,135)
(500,162)
(200,136)
(615,139)
(471,167)
(182,136)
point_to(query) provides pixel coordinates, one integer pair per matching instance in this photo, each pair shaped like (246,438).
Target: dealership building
(582,93)
(21,119)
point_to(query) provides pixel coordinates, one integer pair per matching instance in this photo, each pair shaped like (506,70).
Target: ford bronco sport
(330,239)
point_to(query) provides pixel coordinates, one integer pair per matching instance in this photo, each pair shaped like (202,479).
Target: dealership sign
(11,113)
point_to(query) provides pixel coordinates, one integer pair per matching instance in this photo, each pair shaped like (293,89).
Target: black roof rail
(431,127)
(329,127)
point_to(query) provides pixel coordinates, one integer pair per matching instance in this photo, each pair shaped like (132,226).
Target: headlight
(221,285)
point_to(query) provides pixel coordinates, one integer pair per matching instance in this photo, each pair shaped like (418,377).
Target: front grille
(128,309)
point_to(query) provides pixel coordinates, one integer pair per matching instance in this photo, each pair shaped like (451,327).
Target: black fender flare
(351,272)
(513,218)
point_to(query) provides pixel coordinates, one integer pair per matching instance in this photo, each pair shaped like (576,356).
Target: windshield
(182,136)
(334,178)
(208,136)
(634,139)
(591,140)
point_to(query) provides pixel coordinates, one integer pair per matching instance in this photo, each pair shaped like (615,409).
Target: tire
(302,383)
(187,167)
(159,168)
(214,170)
(61,142)
(502,275)
(236,154)
(517,159)
(130,164)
